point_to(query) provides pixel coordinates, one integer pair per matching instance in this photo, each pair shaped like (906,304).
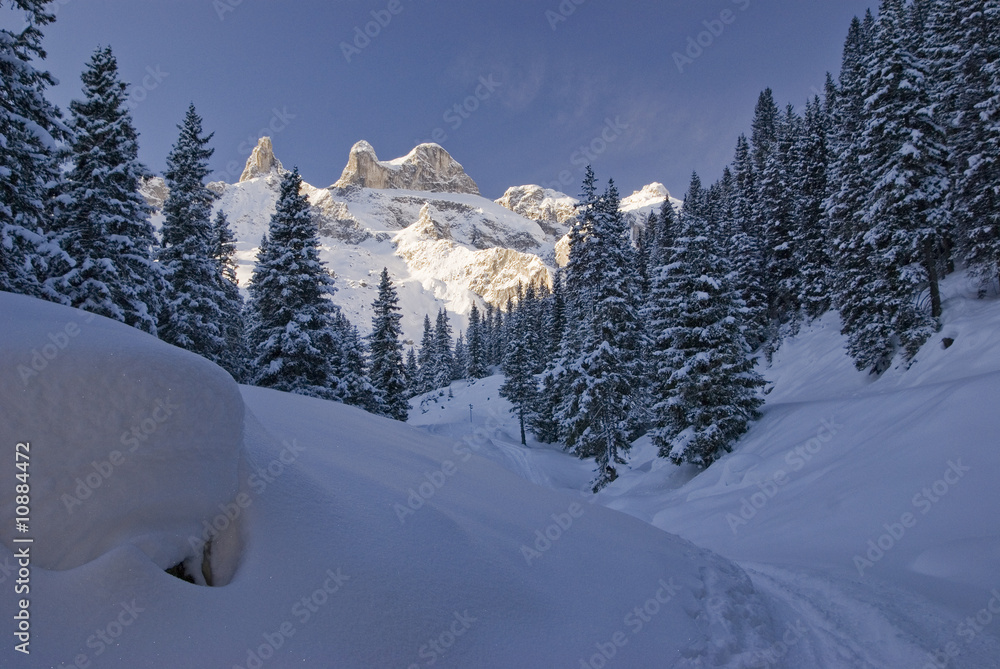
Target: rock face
(540,204)
(496,274)
(428,167)
(261,162)
(154,190)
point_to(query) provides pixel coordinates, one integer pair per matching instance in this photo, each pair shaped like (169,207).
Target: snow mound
(131,441)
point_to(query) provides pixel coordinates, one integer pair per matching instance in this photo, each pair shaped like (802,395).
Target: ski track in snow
(854,626)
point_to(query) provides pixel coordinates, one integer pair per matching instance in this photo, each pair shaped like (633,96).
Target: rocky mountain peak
(539,204)
(261,162)
(428,167)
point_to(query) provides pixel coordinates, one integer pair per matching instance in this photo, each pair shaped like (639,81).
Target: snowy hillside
(332,538)
(863,508)
(444,244)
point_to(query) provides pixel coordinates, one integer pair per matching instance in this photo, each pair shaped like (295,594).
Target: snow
(649,199)
(432,274)
(862,508)
(110,412)
(352,541)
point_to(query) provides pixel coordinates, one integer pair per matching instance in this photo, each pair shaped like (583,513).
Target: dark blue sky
(603,77)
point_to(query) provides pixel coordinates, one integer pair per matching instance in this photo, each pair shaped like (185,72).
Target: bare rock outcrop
(539,204)
(262,161)
(428,167)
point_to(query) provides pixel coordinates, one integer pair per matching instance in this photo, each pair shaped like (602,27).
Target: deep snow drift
(356,541)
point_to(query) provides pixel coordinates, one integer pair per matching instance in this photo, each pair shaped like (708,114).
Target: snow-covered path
(834,624)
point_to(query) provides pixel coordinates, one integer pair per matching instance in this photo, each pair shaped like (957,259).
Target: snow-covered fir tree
(810,252)
(476,345)
(705,390)
(223,251)
(461,358)
(746,247)
(31,127)
(350,365)
(975,129)
(387,370)
(192,315)
(102,222)
(428,346)
(443,359)
(293,334)
(519,382)
(412,373)
(905,214)
(598,409)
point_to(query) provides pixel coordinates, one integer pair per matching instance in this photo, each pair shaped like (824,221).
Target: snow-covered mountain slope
(444,244)
(865,508)
(651,198)
(353,541)
(444,249)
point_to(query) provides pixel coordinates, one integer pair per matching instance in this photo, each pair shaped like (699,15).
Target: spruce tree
(350,364)
(746,247)
(30,127)
(293,335)
(192,316)
(103,222)
(519,383)
(222,251)
(976,145)
(387,369)
(906,214)
(443,361)
(811,255)
(598,415)
(476,345)
(705,388)
(412,373)
(461,358)
(427,358)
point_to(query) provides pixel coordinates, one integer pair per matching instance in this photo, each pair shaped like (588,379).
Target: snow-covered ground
(337,539)
(863,509)
(854,526)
